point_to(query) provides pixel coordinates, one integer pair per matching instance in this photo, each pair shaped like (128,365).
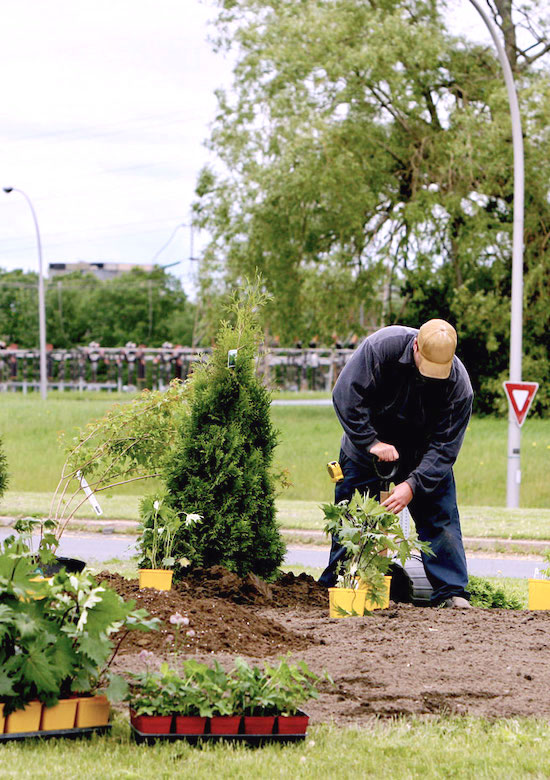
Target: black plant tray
(254,740)
(65,733)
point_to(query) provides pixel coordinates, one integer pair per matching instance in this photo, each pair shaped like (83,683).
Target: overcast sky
(105,105)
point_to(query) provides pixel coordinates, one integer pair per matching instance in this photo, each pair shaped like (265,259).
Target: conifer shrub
(221,467)
(4,477)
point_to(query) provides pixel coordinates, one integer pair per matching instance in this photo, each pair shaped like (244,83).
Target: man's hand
(399,498)
(384,451)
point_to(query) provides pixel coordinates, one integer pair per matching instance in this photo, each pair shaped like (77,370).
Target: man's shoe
(457,602)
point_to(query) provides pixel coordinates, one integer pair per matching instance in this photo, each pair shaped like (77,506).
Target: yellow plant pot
(61,716)
(92,711)
(32,594)
(346,602)
(27,719)
(539,594)
(159,579)
(2,719)
(370,605)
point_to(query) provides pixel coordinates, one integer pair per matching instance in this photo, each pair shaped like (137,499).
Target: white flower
(156,505)
(192,518)
(190,632)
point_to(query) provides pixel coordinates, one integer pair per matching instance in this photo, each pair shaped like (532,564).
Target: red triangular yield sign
(520,395)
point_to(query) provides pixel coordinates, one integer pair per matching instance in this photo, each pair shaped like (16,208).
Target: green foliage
(4,476)
(274,689)
(131,442)
(485,594)
(199,689)
(220,466)
(146,307)
(367,173)
(369,534)
(55,633)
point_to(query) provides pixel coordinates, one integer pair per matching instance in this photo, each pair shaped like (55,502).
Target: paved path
(103,547)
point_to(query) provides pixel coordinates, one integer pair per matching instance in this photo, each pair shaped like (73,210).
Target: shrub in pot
(55,633)
(371,536)
(157,537)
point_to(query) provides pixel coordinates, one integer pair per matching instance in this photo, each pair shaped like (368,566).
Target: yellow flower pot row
(346,602)
(79,712)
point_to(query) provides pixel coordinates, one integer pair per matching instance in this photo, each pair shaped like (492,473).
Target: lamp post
(41,299)
(516,322)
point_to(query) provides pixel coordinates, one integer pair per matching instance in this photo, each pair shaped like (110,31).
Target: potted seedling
(292,686)
(539,587)
(55,644)
(168,697)
(263,695)
(157,537)
(371,536)
(151,697)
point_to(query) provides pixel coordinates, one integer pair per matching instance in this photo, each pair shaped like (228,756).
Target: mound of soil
(217,621)
(402,660)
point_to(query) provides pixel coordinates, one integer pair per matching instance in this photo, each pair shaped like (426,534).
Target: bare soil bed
(404,659)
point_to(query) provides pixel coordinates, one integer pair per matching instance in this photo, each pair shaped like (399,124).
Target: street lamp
(516,322)
(41,299)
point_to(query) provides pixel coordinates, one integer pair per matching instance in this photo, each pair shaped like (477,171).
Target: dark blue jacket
(381,396)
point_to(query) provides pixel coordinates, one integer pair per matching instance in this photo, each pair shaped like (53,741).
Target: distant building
(101,270)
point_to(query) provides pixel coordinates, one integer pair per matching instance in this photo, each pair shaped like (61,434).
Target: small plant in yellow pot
(539,587)
(371,536)
(159,526)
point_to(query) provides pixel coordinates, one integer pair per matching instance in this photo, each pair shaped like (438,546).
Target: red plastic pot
(225,724)
(292,724)
(190,724)
(259,724)
(151,724)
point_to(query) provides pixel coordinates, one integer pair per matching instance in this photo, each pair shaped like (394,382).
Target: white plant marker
(89,494)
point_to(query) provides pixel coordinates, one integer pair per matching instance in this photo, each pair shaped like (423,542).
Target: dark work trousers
(436,518)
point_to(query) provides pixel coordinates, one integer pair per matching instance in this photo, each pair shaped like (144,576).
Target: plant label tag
(89,494)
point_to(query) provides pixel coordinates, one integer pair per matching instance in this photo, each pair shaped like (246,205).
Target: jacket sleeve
(444,446)
(353,394)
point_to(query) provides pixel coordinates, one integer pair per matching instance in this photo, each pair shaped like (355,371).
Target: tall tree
(364,140)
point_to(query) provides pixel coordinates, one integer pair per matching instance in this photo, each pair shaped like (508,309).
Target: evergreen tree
(4,476)
(221,468)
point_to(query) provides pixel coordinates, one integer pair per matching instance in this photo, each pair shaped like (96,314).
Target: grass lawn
(437,747)
(309,438)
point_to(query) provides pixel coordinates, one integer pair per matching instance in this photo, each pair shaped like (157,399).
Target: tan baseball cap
(436,349)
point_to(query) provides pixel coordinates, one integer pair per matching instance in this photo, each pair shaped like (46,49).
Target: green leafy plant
(131,442)
(484,594)
(200,689)
(195,689)
(158,529)
(545,573)
(152,692)
(277,689)
(371,537)
(58,635)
